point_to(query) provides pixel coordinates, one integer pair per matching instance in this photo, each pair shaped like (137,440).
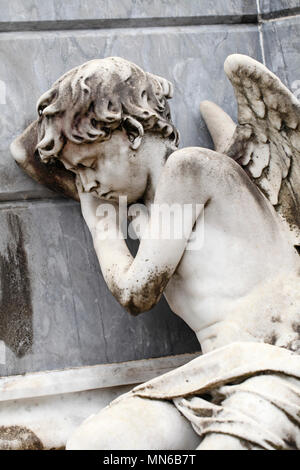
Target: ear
(135,131)
(52,175)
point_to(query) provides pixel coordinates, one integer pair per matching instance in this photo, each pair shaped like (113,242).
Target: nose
(88,179)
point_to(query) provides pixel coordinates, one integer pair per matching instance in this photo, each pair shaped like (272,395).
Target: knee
(134,423)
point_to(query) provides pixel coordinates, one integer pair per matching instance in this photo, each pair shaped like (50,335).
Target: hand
(99,214)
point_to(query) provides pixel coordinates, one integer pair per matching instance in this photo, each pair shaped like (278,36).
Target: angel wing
(266,141)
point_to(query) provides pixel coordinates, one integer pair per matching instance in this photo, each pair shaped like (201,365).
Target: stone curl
(89,102)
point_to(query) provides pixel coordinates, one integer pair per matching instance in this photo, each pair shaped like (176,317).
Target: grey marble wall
(271,9)
(63,315)
(282,49)
(20,15)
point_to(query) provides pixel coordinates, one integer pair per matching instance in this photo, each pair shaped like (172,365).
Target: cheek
(105,174)
(137,186)
(134,175)
(122,176)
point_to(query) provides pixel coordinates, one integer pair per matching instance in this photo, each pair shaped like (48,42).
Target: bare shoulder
(192,160)
(186,172)
(202,174)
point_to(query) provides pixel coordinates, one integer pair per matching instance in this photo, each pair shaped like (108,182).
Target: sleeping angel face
(94,120)
(109,169)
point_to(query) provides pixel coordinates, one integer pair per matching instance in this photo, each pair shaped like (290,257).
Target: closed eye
(88,164)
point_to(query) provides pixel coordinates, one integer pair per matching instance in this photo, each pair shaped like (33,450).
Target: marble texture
(46,422)
(276,8)
(104,12)
(66,316)
(65,322)
(102,376)
(31,62)
(282,50)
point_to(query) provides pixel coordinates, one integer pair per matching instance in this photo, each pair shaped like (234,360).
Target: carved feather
(266,141)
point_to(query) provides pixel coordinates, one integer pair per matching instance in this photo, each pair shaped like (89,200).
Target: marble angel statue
(104,130)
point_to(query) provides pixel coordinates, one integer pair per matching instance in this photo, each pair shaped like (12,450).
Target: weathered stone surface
(31,62)
(75,13)
(47,422)
(282,51)
(55,308)
(71,322)
(274,8)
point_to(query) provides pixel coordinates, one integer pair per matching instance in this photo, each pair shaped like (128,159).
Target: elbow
(137,303)
(138,299)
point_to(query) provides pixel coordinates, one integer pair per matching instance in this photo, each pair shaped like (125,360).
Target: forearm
(138,282)
(131,291)
(128,279)
(114,259)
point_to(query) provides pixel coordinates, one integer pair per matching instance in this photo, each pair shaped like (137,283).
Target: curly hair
(90,101)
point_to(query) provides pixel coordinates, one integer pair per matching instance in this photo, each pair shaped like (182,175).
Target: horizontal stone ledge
(42,14)
(125,23)
(38,384)
(276,9)
(278,15)
(13,201)
(31,195)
